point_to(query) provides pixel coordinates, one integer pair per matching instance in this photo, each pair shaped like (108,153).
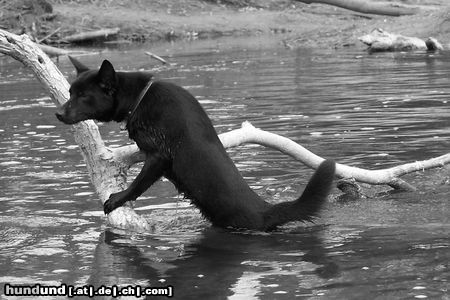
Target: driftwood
(108,167)
(248,134)
(98,35)
(380,40)
(49,35)
(157,57)
(53,51)
(107,176)
(368,7)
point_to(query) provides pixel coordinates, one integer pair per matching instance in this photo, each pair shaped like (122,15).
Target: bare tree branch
(107,175)
(248,134)
(368,7)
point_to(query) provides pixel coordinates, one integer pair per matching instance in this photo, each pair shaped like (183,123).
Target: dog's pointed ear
(78,65)
(107,75)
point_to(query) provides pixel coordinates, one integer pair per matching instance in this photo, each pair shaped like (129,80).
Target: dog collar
(141,96)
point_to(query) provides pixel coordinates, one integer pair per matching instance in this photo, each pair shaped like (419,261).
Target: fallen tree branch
(53,51)
(380,40)
(107,176)
(157,57)
(102,34)
(368,7)
(248,134)
(49,35)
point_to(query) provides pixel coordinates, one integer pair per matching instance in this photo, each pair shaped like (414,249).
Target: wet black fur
(182,145)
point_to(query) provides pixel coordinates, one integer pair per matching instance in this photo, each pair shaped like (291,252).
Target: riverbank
(294,24)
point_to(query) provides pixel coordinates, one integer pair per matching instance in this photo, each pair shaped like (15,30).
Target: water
(372,111)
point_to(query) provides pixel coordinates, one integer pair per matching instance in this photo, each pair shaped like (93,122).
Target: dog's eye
(81,94)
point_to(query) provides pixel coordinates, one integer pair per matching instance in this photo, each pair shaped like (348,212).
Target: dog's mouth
(61,117)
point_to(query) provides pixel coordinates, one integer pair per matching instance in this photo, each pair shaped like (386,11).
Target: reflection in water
(317,261)
(220,264)
(364,110)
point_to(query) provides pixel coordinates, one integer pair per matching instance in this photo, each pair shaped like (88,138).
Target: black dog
(180,142)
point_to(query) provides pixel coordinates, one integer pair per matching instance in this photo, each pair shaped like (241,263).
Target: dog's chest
(149,138)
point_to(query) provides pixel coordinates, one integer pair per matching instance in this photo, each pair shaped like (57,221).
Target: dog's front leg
(152,170)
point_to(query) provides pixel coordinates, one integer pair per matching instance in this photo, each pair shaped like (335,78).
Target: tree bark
(107,175)
(108,167)
(367,7)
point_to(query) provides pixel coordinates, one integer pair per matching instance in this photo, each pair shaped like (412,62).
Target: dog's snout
(59,116)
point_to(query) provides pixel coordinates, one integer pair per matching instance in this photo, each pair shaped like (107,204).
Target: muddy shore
(293,24)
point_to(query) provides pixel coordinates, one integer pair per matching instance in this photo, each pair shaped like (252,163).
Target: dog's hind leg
(152,170)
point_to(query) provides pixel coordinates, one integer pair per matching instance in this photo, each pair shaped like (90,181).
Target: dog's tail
(308,205)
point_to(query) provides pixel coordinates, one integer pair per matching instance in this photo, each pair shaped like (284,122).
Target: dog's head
(91,94)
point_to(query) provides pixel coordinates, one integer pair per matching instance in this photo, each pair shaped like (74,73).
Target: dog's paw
(115,200)
(108,207)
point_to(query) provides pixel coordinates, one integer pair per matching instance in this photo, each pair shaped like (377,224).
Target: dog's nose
(59,116)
